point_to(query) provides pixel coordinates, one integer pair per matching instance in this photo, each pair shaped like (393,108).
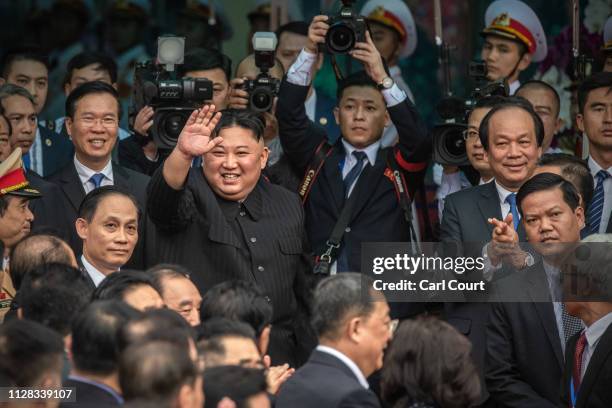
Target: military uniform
(514,20)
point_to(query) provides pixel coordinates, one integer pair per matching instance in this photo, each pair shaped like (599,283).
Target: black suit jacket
(609,226)
(596,387)
(191,229)
(377,215)
(132,157)
(73,193)
(324,382)
(89,396)
(465,221)
(57,150)
(524,360)
(48,210)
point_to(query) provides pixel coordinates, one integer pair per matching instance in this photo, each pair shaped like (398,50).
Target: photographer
(513,39)
(367,103)
(139,152)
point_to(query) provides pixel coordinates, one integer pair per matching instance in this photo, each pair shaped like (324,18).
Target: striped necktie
(595,210)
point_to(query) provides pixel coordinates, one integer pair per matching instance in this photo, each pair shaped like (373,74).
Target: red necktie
(580,345)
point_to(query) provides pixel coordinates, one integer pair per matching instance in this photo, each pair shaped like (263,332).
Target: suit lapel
(488,204)
(598,360)
(121,178)
(333,175)
(609,227)
(72,187)
(536,278)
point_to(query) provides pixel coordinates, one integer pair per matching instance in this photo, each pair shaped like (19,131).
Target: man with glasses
(92,121)
(453,179)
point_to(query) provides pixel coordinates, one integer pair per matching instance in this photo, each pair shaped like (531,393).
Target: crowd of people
(226,271)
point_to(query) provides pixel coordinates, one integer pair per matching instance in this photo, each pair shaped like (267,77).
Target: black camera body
(448,142)
(345,29)
(262,91)
(172,99)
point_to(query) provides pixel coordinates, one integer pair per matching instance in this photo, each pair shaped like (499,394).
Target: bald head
(36,250)
(247,68)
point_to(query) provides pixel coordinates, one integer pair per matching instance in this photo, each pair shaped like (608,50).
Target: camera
(345,29)
(263,89)
(173,99)
(448,139)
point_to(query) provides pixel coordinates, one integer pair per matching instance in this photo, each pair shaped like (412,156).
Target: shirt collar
(252,204)
(95,275)
(512,88)
(594,332)
(348,362)
(371,151)
(502,192)
(104,387)
(85,172)
(595,167)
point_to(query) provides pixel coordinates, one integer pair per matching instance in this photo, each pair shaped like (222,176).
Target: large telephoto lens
(340,38)
(261,100)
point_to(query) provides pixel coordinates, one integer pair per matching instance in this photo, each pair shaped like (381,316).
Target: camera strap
(403,197)
(313,169)
(336,67)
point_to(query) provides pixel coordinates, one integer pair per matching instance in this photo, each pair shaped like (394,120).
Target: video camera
(448,140)
(345,29)
(263,89)
(173,99)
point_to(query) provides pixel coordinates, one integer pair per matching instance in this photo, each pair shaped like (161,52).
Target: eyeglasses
(106,122)
(469,133)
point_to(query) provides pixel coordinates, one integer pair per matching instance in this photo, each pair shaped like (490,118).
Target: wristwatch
(386,83)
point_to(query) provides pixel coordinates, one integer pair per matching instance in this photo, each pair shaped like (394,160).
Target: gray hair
(338,297)
(8,90)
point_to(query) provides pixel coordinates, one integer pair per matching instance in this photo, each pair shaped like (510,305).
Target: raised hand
(144,120)
(504,240)
(195,138)
(316,33)
(367,53)
(239,98)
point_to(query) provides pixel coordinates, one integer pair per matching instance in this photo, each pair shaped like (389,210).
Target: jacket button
(260,268)
(347,229)
(242,213)
(253,239)
(268,299)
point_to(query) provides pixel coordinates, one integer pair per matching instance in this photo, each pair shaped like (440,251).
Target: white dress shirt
(311,105)
(513,87)
(348,362)
(593,335)
(85,174)
(607,204)
(95,275)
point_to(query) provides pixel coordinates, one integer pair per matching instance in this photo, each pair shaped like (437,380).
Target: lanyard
(573,393)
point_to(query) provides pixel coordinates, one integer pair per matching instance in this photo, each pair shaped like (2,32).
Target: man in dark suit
(594,119)
(224,221)
(530,301)
(357,166)
(353,330)
(92,120)
(95,355)
(511,135)
(588,356)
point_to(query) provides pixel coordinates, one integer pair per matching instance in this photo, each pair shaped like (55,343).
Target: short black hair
(155,371)
(21,53)
(35,250)
(490,101)
(156,325)
(203,59)
(590,83)
(243,118)
(211,334)
(95,347)
(575,170)
(359,78)
(511,102)
(89,88)
(92,200)
(118,284)
(28,351)
(336,298)
(296,27)
(537,84)
(235,382)
(548,181)
(52,294)
(238,300)
(79,61)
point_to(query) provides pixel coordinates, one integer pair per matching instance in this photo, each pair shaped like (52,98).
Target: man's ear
(579,211)
(580,122)
(558,125)
(337,115)
(81,226)
(69,123)
(525,62)
(264,157)
(354,328)
(387,118)
(114,85)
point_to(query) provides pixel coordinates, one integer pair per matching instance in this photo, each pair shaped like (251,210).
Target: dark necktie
(580,346)
(596,208)
(355,171)
(511,199)
(96,180)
